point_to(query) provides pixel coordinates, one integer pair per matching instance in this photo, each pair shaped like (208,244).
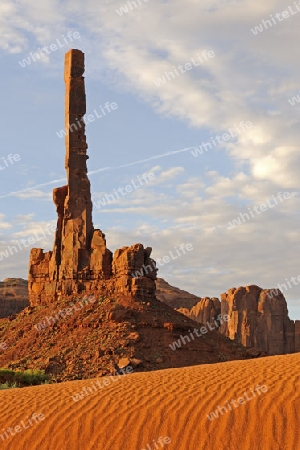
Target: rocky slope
(77,339)
(173,296)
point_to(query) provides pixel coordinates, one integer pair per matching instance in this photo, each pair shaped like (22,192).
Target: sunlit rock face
(80,261)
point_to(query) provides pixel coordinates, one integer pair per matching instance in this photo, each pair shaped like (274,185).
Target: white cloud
(163,176)
(4,225)
(30,193)
(281,166)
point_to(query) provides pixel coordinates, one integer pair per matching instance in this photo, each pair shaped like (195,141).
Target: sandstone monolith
(80,261)
(297,335)
(259,319)
(205,311)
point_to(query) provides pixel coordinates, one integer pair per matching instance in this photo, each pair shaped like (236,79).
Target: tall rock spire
(77,227)
(78,203)
(80,261)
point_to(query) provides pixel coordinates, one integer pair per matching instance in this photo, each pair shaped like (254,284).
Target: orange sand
(139,408)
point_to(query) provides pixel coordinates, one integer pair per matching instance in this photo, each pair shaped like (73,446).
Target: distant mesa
(13,296)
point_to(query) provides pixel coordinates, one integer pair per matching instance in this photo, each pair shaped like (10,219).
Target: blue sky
(191,199)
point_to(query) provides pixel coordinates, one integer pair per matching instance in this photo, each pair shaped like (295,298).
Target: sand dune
(132,412)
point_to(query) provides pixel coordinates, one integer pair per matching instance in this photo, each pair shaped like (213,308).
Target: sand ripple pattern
(139,408)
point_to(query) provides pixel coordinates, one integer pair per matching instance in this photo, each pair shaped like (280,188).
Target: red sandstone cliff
(258,318)
(205,311)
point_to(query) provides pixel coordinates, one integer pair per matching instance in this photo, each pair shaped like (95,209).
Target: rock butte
(258,318)
(80,261)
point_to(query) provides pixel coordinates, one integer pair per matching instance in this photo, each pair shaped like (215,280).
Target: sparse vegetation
(16,378)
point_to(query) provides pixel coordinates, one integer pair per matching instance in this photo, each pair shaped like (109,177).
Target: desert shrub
(30,377)
(6,376)
(8,386)
(18,378)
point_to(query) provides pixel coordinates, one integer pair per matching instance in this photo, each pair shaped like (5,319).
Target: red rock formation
(297,335)
(206,311)
(134,270)
(258,319)
(80,261)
